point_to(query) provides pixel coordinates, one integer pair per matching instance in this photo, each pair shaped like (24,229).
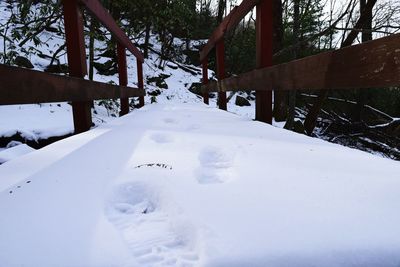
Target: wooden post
(205,79)
(123,77)
(140,81)
(75,41)
(221,72)
(264,31)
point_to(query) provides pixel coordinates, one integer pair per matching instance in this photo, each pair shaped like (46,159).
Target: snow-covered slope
(190,185)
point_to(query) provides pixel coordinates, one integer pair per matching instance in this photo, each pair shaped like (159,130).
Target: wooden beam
(227,25)
(264,37)
(95,7)
(23,86)
(140,81)
(73,23)
(122,77)
(220,56)
(371,64)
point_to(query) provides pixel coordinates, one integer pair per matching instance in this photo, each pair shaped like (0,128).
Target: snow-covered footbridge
(189,185)
(186,184)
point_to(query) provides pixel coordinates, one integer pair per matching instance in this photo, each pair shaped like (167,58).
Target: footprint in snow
(216,165)
(193,127)
(150,234)
(162,138)
(170,121)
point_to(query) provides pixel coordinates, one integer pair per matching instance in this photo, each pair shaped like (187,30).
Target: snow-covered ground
(179,183)
(190,185)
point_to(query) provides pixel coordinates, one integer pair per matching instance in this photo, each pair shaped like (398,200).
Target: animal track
(215,165)
(133,208)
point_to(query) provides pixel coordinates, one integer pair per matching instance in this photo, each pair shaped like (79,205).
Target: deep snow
(179,183)
(190,185)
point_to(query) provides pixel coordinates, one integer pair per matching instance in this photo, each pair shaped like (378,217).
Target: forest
(200,133)
(364,119)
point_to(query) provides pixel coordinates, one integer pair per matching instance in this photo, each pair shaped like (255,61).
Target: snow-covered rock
(14,152)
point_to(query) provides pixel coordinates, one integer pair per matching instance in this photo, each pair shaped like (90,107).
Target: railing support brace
(73,22)
(123,77)
(140,81)
(264,31)
(205,79)
(220,48)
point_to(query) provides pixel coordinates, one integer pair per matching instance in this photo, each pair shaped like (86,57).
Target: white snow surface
(14,152)
(36,121)
(190,185)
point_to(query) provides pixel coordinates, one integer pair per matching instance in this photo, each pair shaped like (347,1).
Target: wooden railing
(371,64)
(22,86)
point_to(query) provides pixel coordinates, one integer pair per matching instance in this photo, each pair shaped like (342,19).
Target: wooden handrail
(371,64)
(23,86)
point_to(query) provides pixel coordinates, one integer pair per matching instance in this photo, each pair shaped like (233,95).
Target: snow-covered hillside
(190,185)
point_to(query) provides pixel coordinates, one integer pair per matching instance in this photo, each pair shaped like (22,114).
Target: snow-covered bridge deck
(189,185)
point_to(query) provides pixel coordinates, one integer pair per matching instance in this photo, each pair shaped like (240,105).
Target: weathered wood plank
(227,24)
(23,86)
(371,64)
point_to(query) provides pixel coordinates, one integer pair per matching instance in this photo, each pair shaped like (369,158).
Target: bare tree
(312,116)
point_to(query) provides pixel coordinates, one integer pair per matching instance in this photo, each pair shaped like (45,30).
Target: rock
(156,92)
(23,62)
(192,57)
(159,81)
(195,88)
(108,68)
(109,53)
(241,101)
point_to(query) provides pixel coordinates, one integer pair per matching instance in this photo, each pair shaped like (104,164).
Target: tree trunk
(292,94)
(221,10)
(92,28)
(280,97)
(366,35)
(146,41)
(312,116)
